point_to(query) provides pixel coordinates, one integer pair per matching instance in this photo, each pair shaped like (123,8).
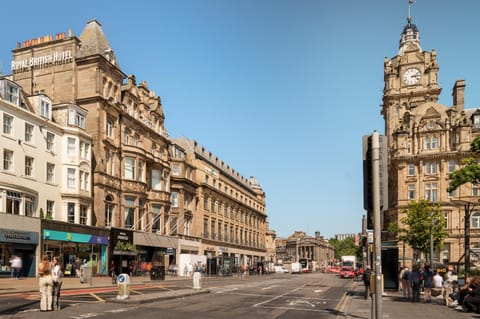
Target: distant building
(300,245)
(345,236)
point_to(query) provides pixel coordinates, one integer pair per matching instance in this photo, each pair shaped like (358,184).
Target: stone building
(299,245)
(426,142)
(160,200)
(226,210)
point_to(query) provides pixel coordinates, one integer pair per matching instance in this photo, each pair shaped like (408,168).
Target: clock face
(411,76)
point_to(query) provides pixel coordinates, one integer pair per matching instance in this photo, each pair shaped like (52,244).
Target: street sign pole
(377,223)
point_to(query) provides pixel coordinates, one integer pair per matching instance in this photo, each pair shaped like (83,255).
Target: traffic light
(368,176)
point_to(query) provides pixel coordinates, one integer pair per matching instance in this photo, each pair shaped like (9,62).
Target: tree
(470,172)
(345,247)
(422,220)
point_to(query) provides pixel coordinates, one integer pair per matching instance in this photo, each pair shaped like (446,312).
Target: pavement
(23,292)
(353,305)
(395,306)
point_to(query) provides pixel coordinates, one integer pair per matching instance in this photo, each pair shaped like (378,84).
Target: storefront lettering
(16,235)
(56,58)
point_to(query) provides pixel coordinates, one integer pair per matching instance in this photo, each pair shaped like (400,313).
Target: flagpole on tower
(410,2)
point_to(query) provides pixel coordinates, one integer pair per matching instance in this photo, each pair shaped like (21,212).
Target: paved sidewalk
(394,306)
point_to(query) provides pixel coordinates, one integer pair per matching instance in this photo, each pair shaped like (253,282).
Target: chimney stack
(459,94)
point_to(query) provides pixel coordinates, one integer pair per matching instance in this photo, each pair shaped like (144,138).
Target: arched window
(108,210)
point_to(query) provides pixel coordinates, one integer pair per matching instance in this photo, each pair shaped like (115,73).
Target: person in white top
(437,285)
(57,275)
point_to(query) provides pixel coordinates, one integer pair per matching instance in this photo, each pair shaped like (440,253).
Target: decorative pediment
(431,113)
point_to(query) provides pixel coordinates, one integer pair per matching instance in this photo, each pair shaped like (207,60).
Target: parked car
(347,272)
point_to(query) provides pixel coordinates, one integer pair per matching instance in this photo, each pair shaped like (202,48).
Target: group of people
(435,285)
(50,283)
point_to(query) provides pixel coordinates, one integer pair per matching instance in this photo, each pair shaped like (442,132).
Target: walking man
(366,280)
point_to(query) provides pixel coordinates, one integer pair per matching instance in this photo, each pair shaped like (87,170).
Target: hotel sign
(43,61)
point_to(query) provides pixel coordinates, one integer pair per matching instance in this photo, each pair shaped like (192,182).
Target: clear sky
(282,90)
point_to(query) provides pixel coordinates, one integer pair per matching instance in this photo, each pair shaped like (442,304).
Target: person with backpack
(366,280)
(407,285)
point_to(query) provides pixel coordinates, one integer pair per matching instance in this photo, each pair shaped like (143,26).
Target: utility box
(85,274)
(123,282)
(157,273)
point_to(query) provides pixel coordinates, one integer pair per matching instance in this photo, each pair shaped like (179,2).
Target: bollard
(123,282)
(196,280)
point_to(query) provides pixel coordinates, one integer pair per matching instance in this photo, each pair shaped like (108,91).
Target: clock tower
(411,79)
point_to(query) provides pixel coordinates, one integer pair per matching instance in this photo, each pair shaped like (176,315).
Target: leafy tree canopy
(470,171)
(422,219)
(345,247)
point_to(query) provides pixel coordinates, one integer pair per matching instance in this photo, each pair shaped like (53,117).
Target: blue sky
(282,90)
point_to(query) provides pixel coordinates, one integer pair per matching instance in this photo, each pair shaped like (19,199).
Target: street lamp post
(431,244)
(468,207)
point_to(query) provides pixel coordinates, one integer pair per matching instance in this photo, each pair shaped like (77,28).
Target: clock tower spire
(410,79)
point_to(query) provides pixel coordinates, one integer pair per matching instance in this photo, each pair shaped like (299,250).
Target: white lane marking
(318,290)
(299,301)
(276,297)
(269,287)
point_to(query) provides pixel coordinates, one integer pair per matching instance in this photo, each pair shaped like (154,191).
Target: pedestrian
(400,278)
(45,284)
(437,285)
(415,277)
(16,265)
(472,299)
(448,285)
(57,274)
(407,285)
(113,272)
(366,280)
(427,284)
(77,264)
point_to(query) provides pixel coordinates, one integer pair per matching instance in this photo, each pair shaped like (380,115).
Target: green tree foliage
(422,219)
(345,247)
(470,171)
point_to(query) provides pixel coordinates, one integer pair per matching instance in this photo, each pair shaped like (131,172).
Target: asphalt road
(290,296)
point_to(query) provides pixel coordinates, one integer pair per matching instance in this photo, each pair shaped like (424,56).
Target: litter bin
(85,274)
(123,282)
(157,273)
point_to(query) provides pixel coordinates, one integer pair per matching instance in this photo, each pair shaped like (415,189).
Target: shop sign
(49,234)
(170,251)
(16,236)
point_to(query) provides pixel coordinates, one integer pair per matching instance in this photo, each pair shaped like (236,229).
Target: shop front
(123,252)
(76,245)
(22,244)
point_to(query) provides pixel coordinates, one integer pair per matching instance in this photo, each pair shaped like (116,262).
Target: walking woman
(45,284)
(57,275)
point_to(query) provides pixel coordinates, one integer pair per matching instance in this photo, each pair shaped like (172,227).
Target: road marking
(318,290)
(300,301)
(269,287)
(97,297)
(121,310)
(276,297)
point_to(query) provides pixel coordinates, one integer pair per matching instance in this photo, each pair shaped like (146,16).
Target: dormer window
(45,109)
(76,118)
(476,119)
(12,94)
